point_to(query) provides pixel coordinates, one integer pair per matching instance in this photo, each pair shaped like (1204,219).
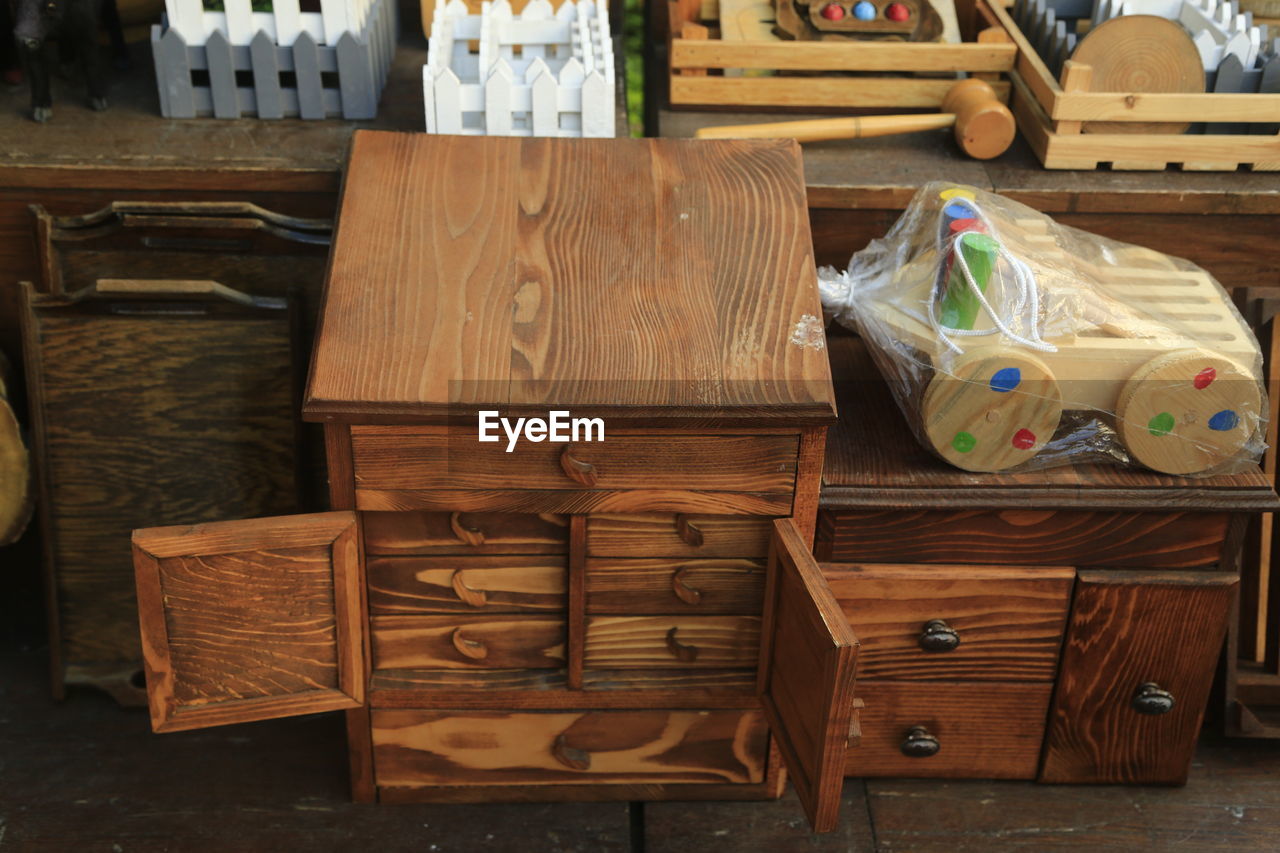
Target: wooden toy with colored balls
(817,20)
(1183,391)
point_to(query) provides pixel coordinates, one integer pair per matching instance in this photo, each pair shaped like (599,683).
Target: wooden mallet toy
(984,127)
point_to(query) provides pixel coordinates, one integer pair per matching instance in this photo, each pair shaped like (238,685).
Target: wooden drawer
(417,748)
(641,642)
(491,584)
(1023,536)
(412,468)
(675,585)
(989,730)
(665,535)
(467,642)
(1008,621)
(402,533)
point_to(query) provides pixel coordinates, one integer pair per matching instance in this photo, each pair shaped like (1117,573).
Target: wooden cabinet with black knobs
(1061,625)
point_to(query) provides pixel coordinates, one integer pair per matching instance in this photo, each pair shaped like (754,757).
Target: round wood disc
(1188,411)
(1140,53)
(996,408)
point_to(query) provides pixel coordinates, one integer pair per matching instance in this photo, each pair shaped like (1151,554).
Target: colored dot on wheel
(1224,420)
(964,442)
(1204,377)
(1006,379)
(832,12)
(1024,439)
(864,11)
(1161,424)
(897,12)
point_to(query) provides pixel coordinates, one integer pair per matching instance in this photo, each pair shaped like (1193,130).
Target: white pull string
(1027,289)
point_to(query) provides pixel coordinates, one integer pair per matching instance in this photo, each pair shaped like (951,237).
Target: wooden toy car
(1183,389)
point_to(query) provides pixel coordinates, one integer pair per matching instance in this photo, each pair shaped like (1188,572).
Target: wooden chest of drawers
(633,618)
(1060,625)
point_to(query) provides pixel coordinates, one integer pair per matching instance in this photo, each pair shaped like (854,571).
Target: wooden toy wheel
(996,408)
(1188,411)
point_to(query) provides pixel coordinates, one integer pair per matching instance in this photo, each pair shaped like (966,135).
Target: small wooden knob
(688,532)
(984,127)
(682,590)
(919,743)
(467,595)
(577,470)
(465,533)
(473,649)
(1152,699)
(682,652)
(571,757)
(938,636)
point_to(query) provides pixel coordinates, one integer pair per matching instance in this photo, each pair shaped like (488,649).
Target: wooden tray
(816,73)
(1050,114)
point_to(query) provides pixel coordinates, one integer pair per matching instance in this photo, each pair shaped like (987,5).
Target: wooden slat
(464,533)
(807,91)
(1126,629)
(1163,106)
(984,731)
(582,501)
(490,584)
(677,585)
(468,642)
(1010,621)
(678,642)
(420,748)
(250,620)
(666,535)
(841,56)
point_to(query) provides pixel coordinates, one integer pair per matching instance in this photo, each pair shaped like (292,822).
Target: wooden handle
(683,591)
(577,470)
(571,757)
(469,596)
(473,649)
(469,535)
(689,533)
(682,652)
(817,130)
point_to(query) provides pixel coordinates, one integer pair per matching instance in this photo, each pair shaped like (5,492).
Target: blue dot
(957,209)
(1006,379)
(864,11)
(1224,420)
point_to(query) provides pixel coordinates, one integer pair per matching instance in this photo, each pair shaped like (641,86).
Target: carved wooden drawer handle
(577,470)
(682,590)
(688,532)
(1152,699)
(469,535)
(919,743)
(571,757)
(467,595)
(473,649)
(938,636)
(683,652)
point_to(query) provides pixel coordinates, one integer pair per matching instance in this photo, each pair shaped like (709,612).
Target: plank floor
(87,775)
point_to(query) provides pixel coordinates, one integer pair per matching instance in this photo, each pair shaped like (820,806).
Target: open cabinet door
(808,655)
(248,620)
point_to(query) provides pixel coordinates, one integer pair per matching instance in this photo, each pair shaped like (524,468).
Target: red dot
(1024,439)
(1204,377)
(897,12)
(832,12)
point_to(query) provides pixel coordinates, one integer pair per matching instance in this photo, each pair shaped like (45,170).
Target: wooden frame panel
(191,671)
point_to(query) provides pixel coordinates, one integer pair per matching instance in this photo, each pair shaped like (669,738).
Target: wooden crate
(816,74)
(1050,113)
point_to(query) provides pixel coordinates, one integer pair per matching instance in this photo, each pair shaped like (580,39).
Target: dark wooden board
(484,224)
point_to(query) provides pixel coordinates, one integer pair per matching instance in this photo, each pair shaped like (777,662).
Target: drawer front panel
(646,642)
(665,535)
(675,585)
(997,624)
(465,585)
(984,731)
(467,642)
(416,748)
(1023,537)
(480,533)
(393,458)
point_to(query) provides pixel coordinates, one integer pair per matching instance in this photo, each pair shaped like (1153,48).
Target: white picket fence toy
(542,72)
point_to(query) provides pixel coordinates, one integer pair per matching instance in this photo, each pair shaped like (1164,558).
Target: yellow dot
(956,192)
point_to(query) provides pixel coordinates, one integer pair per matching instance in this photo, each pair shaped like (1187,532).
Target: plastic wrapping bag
(1012,342)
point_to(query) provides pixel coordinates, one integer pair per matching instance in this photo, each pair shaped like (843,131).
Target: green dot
(964,442)
(1161,424)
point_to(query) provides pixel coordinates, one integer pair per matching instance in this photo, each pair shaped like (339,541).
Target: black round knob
(919,743)
(938,636)
(1152,699)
